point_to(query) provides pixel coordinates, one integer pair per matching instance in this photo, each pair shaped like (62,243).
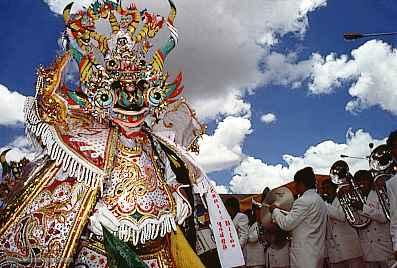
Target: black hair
(265,192)
(392,138)
(363,175)
(232,203)
(306,177)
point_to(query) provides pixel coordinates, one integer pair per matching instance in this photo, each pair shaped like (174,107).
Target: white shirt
(255,250)
(391,186)
(241,222)
(307,222)
(375,238)
(342,239)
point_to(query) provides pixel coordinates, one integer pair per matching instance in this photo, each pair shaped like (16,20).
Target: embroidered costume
(114,149)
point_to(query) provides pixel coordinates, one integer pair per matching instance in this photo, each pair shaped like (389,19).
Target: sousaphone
(348,193)
(383,167)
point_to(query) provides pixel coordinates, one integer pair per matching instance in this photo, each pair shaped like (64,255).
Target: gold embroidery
(13,212)
(78,226)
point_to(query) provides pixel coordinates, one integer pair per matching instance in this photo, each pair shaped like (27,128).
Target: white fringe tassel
(57,151)
(150,229)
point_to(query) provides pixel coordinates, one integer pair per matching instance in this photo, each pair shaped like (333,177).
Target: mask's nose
(130,100)
(130,96)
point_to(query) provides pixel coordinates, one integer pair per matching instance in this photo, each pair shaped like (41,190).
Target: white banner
(226,238)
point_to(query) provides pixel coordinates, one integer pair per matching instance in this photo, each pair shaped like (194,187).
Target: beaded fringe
(150,229)
(37,130)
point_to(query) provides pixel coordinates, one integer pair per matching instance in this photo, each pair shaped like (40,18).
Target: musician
(391,186)
(375,238)
(342,242)
(255,250)
(307,222)
(240,220)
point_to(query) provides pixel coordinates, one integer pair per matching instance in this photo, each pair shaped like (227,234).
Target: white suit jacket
(255,250)
(392,194)
(375,238)
(241,222)
(342,239)
(278,257)
(307,222)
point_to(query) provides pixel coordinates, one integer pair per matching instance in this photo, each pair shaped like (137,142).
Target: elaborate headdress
(122,78)
(117,64)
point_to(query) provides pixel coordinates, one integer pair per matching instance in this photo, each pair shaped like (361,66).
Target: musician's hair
(363,175)
(232,203)
(392,138)
(306,177)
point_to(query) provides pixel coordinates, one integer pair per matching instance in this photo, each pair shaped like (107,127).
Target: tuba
(383,167)
(272,235)
(348,193)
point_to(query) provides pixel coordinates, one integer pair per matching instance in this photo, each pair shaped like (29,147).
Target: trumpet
(383,167)
(348,194)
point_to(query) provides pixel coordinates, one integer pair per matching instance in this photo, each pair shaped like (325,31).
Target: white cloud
(370,72)
(329,72)
(220,189)
(281,16)
(57,6)
(11,108)
(268,118)
(21,147)
(286,70)
(253,175)
(232,104)
(221,43)
(223,149)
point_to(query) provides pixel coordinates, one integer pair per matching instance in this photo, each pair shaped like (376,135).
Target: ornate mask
(118,84)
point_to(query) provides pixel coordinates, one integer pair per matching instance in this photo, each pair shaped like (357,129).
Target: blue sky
(30,30)
(306,119)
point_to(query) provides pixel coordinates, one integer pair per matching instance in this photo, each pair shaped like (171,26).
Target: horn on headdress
(161,54)
(175,88)
(66,12)
(74,25)
(135,17)
(82,34)
(172,15)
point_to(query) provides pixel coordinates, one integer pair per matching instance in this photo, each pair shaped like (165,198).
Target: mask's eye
(104,98)
(143,85)
(112,65)
(155,97)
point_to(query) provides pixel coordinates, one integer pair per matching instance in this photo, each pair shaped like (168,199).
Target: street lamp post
(353,157)
(349,36)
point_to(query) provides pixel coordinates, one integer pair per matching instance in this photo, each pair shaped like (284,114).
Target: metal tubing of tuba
(348,194)
(383,167)
(381,191)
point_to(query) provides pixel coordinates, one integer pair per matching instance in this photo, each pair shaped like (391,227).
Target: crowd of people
(319,232)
